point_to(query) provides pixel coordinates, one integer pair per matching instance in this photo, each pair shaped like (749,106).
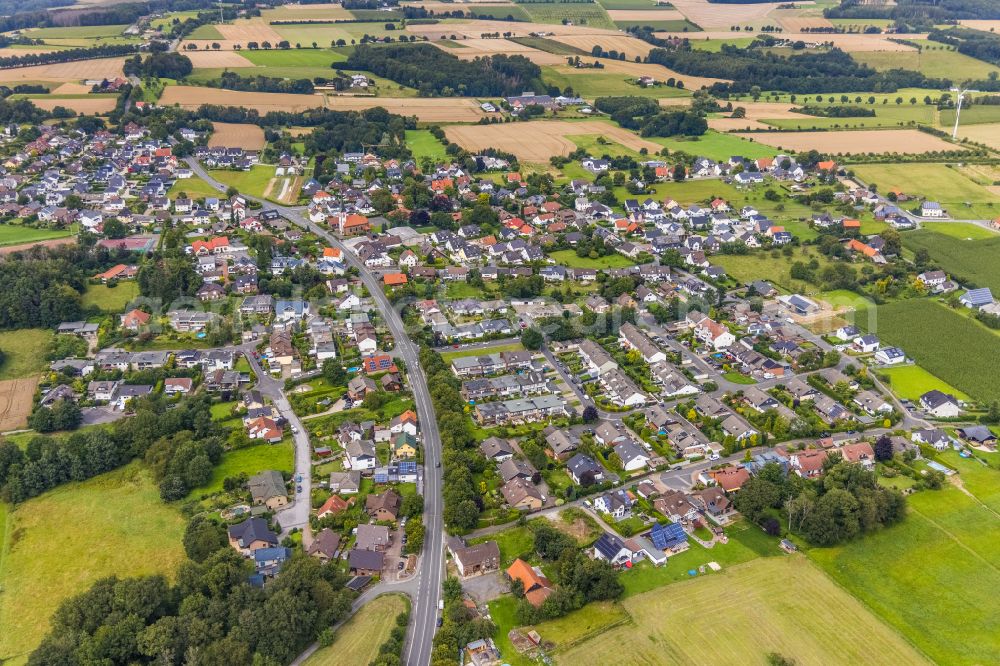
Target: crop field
(24,352)
(427,109)
(324,34)
(682,25)
(905,141)
(987,134)
(78,32)
(912,381)
(960,230)
(110,299)
(60,543)
(192,97)
(918,326)
(467,49)
(359,639)
(936,63)
(206,32)
(84,106)
(306,12)
(972,115)
(227,59)
(967,261)
(781,605)
(933,575)
(98,68)
(294,57)
(640,15)
(485,11)
(885,116)
(593,83)
(540,140)
(245,135)
(16,396)
(630,46)
(619,5)
(721,16)
(962,197)
(578,13)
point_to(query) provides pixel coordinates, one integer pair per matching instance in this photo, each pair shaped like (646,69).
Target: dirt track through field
(538,141)
(16,396)
(907,141)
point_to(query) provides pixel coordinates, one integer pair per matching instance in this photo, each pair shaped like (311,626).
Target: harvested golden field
(630,46)
(324,11)
(537,141)
(16,397)
(217,59)
(906,141)
(659,73)
(985,26)
(721,16)
(476,28)
(71,89)
(987,133)
(99,68)
(477,47)
(244,135)
(794,23)
(249,30)
(85,106)
(645,15)
(300,131)
(191,97)
(735,124)
(7,52)
(766,110)
(846,42)
(430,109)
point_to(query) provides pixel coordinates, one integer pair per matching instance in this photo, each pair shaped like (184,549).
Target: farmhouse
(537,587)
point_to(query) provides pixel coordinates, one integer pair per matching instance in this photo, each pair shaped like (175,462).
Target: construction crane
(958,107)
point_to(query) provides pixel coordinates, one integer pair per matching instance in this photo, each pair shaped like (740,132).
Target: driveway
(484,589)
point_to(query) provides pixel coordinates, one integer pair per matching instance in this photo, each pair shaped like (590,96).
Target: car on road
(399,567)
(295,430)
(298,489)
(298,478)
(455,346)
(437,464)
(714,456)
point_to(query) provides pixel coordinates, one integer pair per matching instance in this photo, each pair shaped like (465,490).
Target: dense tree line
(159,65)
(67,55)
(845,502)
(460,455)
(923,12)
(210,616)
(836,111)
(434,72)
(644,115)
(155,432)
(169,278)
(802,73)
(40,290)
(268,84)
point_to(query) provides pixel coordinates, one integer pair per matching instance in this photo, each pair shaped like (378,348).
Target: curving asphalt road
(431,568)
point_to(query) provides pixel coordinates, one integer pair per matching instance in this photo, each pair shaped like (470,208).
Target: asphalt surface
(430,571)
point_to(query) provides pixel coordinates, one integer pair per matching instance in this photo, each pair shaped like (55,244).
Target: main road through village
(428,579)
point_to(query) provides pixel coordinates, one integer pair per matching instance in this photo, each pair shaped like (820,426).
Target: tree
(202,537)
(883,448)
(334,373)
(590,414)
(532,339)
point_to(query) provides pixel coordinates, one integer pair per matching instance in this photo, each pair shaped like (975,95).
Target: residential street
(431,567)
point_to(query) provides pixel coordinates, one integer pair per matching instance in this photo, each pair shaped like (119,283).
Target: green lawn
(628,4)
(971,115)
(549,46)
(499,12)
(16,234)
(78,32)
(447,357)
(359,639)
(570,259)
(968,261)
(780,605)
(110,299)
(912,381)
(193,187)
(935,64)
(716,146)
(424,144)
(249,461)
(586,623)
(960,230)
(934,576)
(891,115)
(937,182)
(24,352)
(953,347)
(715,45)
(739,378)
(776,270)
(61,542)
(252,182)
(306,57)
(514,542)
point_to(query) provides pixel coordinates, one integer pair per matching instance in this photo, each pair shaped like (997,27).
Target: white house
(931,209)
